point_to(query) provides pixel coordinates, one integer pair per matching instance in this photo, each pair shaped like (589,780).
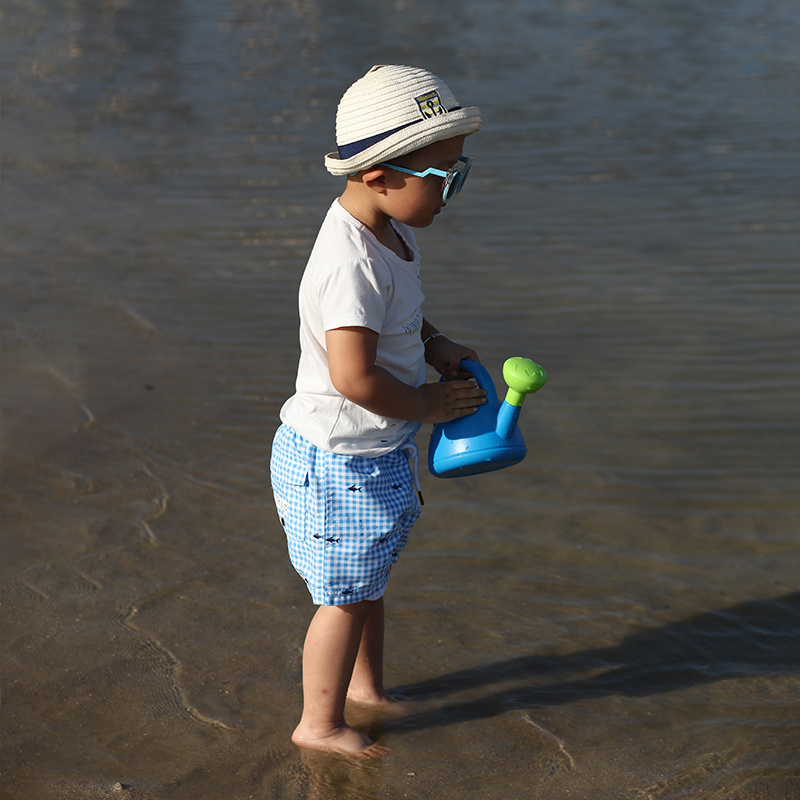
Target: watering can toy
(490,438)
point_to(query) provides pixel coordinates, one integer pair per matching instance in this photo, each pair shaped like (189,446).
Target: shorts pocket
(289,472)
(291,499)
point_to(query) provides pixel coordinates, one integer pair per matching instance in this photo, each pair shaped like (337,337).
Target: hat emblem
(430,105)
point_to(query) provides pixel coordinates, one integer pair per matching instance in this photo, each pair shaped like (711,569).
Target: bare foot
(384,702)
(342,739)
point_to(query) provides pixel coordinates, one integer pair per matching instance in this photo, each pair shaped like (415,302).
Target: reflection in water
(329,777)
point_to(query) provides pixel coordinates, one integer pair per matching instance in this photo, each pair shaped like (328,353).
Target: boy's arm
(444,355)
(354,373)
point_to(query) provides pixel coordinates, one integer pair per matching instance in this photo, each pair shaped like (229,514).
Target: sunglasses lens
(456,179)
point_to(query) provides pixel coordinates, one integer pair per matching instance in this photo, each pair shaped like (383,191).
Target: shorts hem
(339,599)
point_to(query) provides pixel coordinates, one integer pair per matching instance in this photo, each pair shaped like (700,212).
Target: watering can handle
(479,372)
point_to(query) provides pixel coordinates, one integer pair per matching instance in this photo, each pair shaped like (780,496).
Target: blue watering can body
(489,439)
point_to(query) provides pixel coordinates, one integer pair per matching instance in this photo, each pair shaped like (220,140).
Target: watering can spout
(490,438)
(523,377)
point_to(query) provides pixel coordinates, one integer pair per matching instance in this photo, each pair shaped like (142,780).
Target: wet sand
(152,633)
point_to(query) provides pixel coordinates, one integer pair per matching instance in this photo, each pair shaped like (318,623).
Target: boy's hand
(445,357)
(452,399)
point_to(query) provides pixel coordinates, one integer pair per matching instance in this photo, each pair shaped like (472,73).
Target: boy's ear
(375,178)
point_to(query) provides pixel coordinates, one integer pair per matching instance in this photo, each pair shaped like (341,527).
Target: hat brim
(460,122)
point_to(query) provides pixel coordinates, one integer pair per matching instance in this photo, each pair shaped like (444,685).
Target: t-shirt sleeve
(355,294)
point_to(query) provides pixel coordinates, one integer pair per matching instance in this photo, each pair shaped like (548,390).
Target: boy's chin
(428,222)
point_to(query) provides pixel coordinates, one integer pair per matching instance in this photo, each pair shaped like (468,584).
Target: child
(344,462)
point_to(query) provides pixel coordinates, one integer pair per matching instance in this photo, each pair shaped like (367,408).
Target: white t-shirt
(353,280)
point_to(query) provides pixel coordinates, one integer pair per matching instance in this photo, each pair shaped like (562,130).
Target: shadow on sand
(760,637)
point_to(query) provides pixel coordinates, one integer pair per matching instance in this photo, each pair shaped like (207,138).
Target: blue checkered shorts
(346,517)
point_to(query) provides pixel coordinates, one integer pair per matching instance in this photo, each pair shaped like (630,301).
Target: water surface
(617,616)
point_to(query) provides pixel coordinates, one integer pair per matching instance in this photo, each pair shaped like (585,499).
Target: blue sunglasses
(454,178)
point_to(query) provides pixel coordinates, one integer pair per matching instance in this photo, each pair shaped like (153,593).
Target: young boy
(344,463)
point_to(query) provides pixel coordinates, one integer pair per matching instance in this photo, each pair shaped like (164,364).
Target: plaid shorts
(346,517)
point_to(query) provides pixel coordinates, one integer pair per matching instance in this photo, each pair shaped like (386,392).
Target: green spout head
(523,377)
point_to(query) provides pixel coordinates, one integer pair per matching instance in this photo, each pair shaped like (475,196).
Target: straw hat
(391,111)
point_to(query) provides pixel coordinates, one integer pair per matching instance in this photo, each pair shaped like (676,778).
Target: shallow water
(617,616)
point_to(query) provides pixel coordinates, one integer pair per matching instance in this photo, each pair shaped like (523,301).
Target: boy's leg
(366,685)
(329,655)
